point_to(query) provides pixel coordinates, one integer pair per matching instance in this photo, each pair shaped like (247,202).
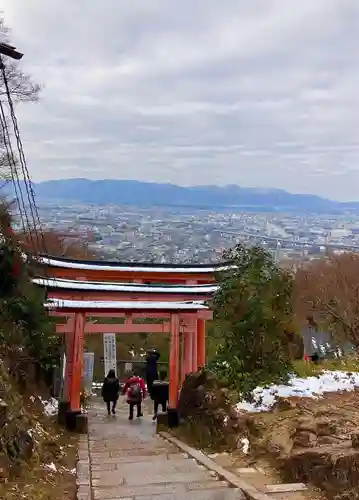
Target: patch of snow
(245,445)
(50,407)
(123,305)
(311,387)
(70,471)
(51,467)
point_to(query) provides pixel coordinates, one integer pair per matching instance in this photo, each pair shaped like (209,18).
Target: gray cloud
(261,93)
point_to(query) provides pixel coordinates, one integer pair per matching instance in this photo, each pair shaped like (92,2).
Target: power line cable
(23,164)
(13,170)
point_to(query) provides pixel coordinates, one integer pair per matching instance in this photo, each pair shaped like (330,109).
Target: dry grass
(32,479)
(308,369)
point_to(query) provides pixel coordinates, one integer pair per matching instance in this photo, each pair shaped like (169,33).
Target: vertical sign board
(89,359)
(109,351)
(128,367)
(63,367)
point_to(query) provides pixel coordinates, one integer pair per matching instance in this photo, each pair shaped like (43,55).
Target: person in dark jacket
(151,369)
(160,390)
(111,391)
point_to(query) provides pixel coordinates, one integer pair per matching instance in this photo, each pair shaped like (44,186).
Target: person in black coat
(111,391)
(160,391)
(151,369)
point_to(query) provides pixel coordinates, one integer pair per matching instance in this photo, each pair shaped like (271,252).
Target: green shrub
(24,322)
(253,315)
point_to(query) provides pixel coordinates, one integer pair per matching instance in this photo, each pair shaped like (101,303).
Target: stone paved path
(129,462)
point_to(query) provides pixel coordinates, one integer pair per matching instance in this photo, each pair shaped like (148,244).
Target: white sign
(89,361)
(109,351)
(128,367)
(64,366)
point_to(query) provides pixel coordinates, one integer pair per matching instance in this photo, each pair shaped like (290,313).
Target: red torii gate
(81,290)
(185,317)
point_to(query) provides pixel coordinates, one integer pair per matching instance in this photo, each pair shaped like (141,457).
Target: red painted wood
(98,328)
(187,352)
(201,343)
(125,296)
(194,349)
(69,362)
(129,276)
(174,362)
(202,314)
(77,369)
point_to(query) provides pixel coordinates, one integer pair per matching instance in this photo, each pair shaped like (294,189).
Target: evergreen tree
(253,314)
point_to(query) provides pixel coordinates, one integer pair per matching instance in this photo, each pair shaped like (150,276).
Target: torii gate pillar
(173,419)
(74,368)
(201,343)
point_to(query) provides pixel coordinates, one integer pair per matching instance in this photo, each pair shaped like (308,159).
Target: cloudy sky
(258,93)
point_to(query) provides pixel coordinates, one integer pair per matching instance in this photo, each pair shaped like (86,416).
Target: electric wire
(40,240)
(13,170)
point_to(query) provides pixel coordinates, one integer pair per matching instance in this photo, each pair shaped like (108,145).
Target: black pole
(10,51)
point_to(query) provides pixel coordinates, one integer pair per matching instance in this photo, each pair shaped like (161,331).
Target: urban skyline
(165,235)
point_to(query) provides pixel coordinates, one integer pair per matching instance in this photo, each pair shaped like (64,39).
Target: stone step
(285,488)
(195,491)
(129,461)
(293,495)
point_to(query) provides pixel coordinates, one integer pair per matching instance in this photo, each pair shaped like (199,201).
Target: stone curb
(83,472)
(249,491)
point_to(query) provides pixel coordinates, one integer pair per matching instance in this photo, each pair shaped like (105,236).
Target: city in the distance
(165,223)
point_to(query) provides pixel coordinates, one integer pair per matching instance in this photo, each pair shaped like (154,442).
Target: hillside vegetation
(33,450)
(256,353)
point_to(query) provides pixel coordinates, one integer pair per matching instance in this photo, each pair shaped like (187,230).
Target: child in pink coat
(135,391)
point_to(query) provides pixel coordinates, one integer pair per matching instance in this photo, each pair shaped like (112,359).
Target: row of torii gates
(81,291)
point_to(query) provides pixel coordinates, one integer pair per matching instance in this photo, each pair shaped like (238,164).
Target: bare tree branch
(329,290)
(22,88)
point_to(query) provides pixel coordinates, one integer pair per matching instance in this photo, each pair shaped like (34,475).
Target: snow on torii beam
(116,306)
(135,272)
(96,290)
(131,266)
(130,311)
(124,287)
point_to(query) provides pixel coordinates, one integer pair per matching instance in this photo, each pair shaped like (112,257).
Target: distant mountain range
(146,194)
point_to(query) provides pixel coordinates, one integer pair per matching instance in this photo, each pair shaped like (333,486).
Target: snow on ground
(50,407)
(311,387)
(51,467)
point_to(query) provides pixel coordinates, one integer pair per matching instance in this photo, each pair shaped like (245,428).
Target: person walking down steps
(160,390)
(151,369)
(135,391)
(111,391)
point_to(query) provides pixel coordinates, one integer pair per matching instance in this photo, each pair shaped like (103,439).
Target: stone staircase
(123,460)
(128,461)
